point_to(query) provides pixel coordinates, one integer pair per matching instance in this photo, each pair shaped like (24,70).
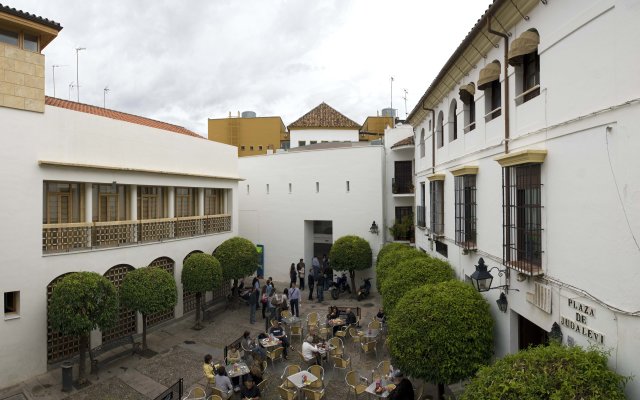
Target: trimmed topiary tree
(148,290)
(390,247)
(201,273)
(80,303)
(410,274)
(548,372)
(441,333)
(392,258)
(239,258)
(351,253)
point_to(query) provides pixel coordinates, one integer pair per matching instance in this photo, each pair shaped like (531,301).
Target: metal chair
(286,393)
(197,393)
(296,330)
(217,392)
(338,345)
(323,333)
(262,386)
(285,313)
(313,394)
(312,318)
(318,372)
(275,354)
(384,368)
(274,323)
(287,372)
(215,397)
(342,363)
(354,385)
(370,347)
(375,324)
(353,333)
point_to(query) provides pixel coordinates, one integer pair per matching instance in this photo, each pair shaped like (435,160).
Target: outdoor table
(269,342)
(237,370)
(296,379)
(369,333)
(291,320)
(372,389)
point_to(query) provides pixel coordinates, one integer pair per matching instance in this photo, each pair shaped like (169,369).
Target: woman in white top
(310,352)
(280,301)
(223,382)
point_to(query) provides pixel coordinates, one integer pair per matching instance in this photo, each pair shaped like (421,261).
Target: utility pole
(406,113)
(78,49)
(53,67)
(392,95)
(104,96)
(71,86)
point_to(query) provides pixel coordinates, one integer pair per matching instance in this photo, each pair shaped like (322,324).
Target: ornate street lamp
(482,278)
(502,302)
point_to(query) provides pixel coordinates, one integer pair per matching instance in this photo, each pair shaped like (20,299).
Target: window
(522,233)
(453,120)
(9,37)
(185,202)
(30,43)
(436,204)
(493,100)
(467,93)
(285,144)
(214,201)
(151,202)
(313,142)
(440,130)
(11,303)
(267,188)
(442,248)
(523,55)
(530,76)
(260,148)
(247,189)
(110,202)
(250,148)
(422,150)
(465,211)
(242,148)
(421,209)
(348,187)
(317,187)
(63,203)
(402,177)
(302,142)
(403,227)
(290,188)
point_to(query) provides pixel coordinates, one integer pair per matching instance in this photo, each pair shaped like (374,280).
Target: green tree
(148,290)
(390,247)
(443,334)
(239,258)
(548,372)
(410,274)
(201,273)
(350,253)
(81,302)
(391,258)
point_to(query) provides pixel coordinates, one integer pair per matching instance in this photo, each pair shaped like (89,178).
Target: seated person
(351,317)
(255,372)
(404,388)
(223,382)
(250,391)
(207,370)
(380,315)
(278,332)
(250,345)
(333,313)
(310,352)
(233,356)
(313,332)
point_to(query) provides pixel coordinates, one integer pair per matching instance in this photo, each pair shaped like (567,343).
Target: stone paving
(181,350)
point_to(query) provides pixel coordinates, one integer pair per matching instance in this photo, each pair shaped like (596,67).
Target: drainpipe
(433,137)
(506,83)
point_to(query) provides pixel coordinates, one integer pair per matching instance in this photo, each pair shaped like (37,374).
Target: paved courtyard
(180,355)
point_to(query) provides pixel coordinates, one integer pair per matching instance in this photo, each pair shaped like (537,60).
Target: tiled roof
(30,17)
(324,116)
(408,141)
(105,112)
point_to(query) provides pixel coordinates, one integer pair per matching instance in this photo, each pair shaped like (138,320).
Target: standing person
(271,308)
(300,269)
(319,278)
(310,282)
(279,333)
(207,370)
(263,300)
(254,298)
(293,274)
(294,300)
(326,270)
(282,302)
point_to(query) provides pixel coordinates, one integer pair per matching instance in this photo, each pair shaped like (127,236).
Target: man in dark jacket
(310,283)
(404,388)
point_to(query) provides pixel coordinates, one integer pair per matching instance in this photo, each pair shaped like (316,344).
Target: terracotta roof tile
(121,116)
(31,17)
(324,116)
(408,141)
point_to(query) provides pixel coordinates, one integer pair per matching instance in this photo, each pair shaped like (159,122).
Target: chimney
(21,59)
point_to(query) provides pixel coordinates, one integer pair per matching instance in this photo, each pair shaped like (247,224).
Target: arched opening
(59,347)
(127,318)
(168,265)
(440,130)
(453,120)
(188,298)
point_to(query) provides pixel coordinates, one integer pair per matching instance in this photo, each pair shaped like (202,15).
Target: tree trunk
(84,343)
(440,392)
(198,301)
(352,275)
(144,332)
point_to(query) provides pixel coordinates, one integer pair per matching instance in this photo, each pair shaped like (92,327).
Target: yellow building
(252,135)
(373,128)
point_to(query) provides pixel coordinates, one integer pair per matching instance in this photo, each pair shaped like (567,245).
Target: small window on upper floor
(9,37)
(290,188)
(313,142)
(348,187)
(302,143)
(317,187)
(260,148)
(247,189)
(440,130)
(267,188)
(523,55)
(453,120)
(11,304)
(30,43)
(251,148)
(242,148)
(489,81)
(25,41)
(467,93)
(422,150)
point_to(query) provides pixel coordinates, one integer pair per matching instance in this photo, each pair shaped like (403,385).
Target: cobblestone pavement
(180,351)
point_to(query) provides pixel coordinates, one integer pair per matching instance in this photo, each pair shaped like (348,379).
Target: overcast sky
(185,61)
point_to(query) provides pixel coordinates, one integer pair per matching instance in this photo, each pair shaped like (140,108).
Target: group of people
(273,302)
(319,277)
(217,377)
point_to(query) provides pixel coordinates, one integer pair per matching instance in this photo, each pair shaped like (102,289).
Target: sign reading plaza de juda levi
(580,322)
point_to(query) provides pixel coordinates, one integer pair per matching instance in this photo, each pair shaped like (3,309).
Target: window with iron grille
(522,226)
(436,204)
(465,210)
(421,219)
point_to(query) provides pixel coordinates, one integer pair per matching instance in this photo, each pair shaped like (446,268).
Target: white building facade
(321,125)
(296,204)
(535,170)
(89,189)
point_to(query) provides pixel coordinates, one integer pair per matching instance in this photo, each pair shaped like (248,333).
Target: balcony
(402,187)
(62,238)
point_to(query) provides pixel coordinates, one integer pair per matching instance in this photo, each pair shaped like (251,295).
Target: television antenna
(104,96)
(53,67)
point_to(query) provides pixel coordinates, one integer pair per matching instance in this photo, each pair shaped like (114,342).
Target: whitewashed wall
(320,135)
(72,137)
(586,117)
(277,219)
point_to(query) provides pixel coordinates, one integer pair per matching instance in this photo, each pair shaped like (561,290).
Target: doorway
(530,334)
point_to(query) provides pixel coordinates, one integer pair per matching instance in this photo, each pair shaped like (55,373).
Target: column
(201,202)
(133,211)
(171,207)
(88,209)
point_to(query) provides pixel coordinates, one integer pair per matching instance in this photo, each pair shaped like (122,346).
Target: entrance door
(530,334)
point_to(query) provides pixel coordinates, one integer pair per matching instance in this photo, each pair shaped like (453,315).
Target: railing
(421,217)
(174,392)
(59,238)
(401,186)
